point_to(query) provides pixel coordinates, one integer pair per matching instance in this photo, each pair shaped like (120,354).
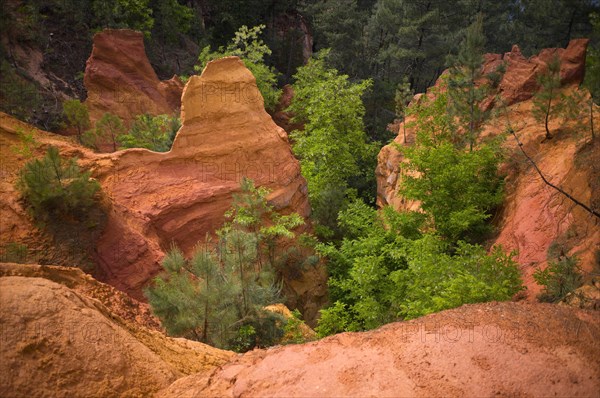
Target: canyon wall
(534,215)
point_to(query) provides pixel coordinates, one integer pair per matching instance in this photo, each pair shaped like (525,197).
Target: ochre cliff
(481,350)
(120,80)
(154,200)
(63,336)
(534,215)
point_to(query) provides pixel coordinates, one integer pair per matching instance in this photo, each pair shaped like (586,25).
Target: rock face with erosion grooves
(120,80)
(534,215)
(492,349)
(58,342)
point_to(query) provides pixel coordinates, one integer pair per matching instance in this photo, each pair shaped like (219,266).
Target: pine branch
(559,189)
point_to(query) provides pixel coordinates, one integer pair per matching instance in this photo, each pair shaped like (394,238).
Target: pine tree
(219,295)
(52,185)
(193,298)
(465,92)
(547,100)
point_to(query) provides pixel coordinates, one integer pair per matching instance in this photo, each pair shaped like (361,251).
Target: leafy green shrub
(436,280)
(559,278)
(390,270)
(53,186)
(337,318)
(155,133)
(218,296)
(252,50)
(458,189)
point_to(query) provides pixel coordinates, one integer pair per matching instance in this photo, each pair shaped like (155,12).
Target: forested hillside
(387,41)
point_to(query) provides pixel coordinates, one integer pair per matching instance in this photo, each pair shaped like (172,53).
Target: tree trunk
(548,135)
(592,117)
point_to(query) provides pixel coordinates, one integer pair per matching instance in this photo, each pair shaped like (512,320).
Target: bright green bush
(458,188)
(389,270)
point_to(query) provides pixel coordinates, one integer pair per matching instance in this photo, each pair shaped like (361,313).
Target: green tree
(464,89)
(194,298)
(155,133)
(252,50)
(108,130)
(539,24)
(77,116)
(53,186)
(438,278)
(171,19)
(219,295)
(336,158)
(458,190)
(546,101)
(340,26)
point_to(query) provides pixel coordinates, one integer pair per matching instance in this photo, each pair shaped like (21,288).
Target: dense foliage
(458,190)
(401,265)
(151,132)
(219,294)
(389,268)
(336,158)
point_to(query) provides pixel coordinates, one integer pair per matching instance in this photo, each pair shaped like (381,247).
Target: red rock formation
(492,349)
(534,215)
(157,199)
(519,83)
(119,79)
